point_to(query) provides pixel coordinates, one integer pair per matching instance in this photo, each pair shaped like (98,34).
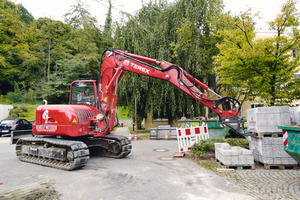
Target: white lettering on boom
(135,66)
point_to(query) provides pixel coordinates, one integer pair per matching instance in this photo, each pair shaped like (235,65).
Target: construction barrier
(186,137)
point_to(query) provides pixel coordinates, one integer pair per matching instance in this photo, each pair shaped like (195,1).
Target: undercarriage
(69,154)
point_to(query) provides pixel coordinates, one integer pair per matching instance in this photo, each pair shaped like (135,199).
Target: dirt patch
(41,190)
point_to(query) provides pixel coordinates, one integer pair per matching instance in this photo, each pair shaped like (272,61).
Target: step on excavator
(64,134)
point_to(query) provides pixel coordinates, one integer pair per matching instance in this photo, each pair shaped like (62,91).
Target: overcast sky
(55,9)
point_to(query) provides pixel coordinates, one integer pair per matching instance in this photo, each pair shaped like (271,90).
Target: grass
(138,131)
(30,115)
(26,111)
(144,136)
(123,112)
(211,165)
(29,112)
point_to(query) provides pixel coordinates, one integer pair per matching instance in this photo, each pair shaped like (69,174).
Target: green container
(215,128)
(292,145)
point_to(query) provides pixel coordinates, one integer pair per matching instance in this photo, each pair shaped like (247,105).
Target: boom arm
(116,62)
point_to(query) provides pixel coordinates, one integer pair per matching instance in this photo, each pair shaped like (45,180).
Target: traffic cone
(135,136)
(130,136)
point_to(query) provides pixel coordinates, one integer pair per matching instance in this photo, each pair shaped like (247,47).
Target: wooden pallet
(278,166)
(261,135)
(236,166)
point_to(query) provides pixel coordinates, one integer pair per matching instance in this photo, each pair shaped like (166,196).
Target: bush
(17,112)
(3,100)
(205,146)
(14,97)
(21,96)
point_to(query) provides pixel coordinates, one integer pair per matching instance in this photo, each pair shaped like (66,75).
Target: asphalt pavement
(149,172)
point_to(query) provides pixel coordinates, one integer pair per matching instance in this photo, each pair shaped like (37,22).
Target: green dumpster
(215,128)
(291,141)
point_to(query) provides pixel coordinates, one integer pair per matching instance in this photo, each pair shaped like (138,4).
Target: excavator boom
(115,62)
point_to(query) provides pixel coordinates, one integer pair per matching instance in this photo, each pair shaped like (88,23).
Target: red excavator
(65,133)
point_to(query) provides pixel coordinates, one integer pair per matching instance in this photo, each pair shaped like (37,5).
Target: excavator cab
(83,92)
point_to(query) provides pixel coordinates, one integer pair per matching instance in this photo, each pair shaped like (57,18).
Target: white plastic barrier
(186,137)
(4,111)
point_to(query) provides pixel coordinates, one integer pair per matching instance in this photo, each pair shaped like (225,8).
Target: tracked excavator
(63,134)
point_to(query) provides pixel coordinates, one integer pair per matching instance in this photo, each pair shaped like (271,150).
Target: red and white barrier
(285,138)
(186,137)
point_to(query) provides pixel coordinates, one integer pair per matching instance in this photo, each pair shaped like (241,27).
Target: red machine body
(64,120)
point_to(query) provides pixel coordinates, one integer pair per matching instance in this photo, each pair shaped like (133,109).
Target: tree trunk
(49,57)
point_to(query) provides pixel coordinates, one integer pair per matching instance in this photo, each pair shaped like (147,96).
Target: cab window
(83,93)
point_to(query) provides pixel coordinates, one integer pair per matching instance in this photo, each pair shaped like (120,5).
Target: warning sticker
(74,120)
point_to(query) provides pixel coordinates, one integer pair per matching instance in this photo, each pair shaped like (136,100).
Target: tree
(15,53)
(57,90)
(260,67)
(79,57)
(35,55)
(181,33)
(107,39)
(79,17)
(49,46)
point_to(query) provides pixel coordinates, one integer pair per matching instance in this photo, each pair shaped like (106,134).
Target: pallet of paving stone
(267,119)
(270,152)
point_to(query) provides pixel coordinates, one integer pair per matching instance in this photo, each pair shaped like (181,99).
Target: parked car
(9,125)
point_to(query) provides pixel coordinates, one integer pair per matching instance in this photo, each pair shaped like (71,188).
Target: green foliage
(17,112)
(14,49)
(22,111)
(261,67)
(56,90)
(21,96)
(122,112)
(79,17)
(107,31)
(181,33)
(3,100)
(208,145)
(42,56)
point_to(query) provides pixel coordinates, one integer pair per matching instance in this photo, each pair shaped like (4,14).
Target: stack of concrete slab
(233,156)
(265,120)
(163,132)
(270,151)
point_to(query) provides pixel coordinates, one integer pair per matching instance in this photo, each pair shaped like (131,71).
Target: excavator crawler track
(113,146)
(53,152)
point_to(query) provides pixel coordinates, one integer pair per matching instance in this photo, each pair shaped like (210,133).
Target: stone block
(233,156)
